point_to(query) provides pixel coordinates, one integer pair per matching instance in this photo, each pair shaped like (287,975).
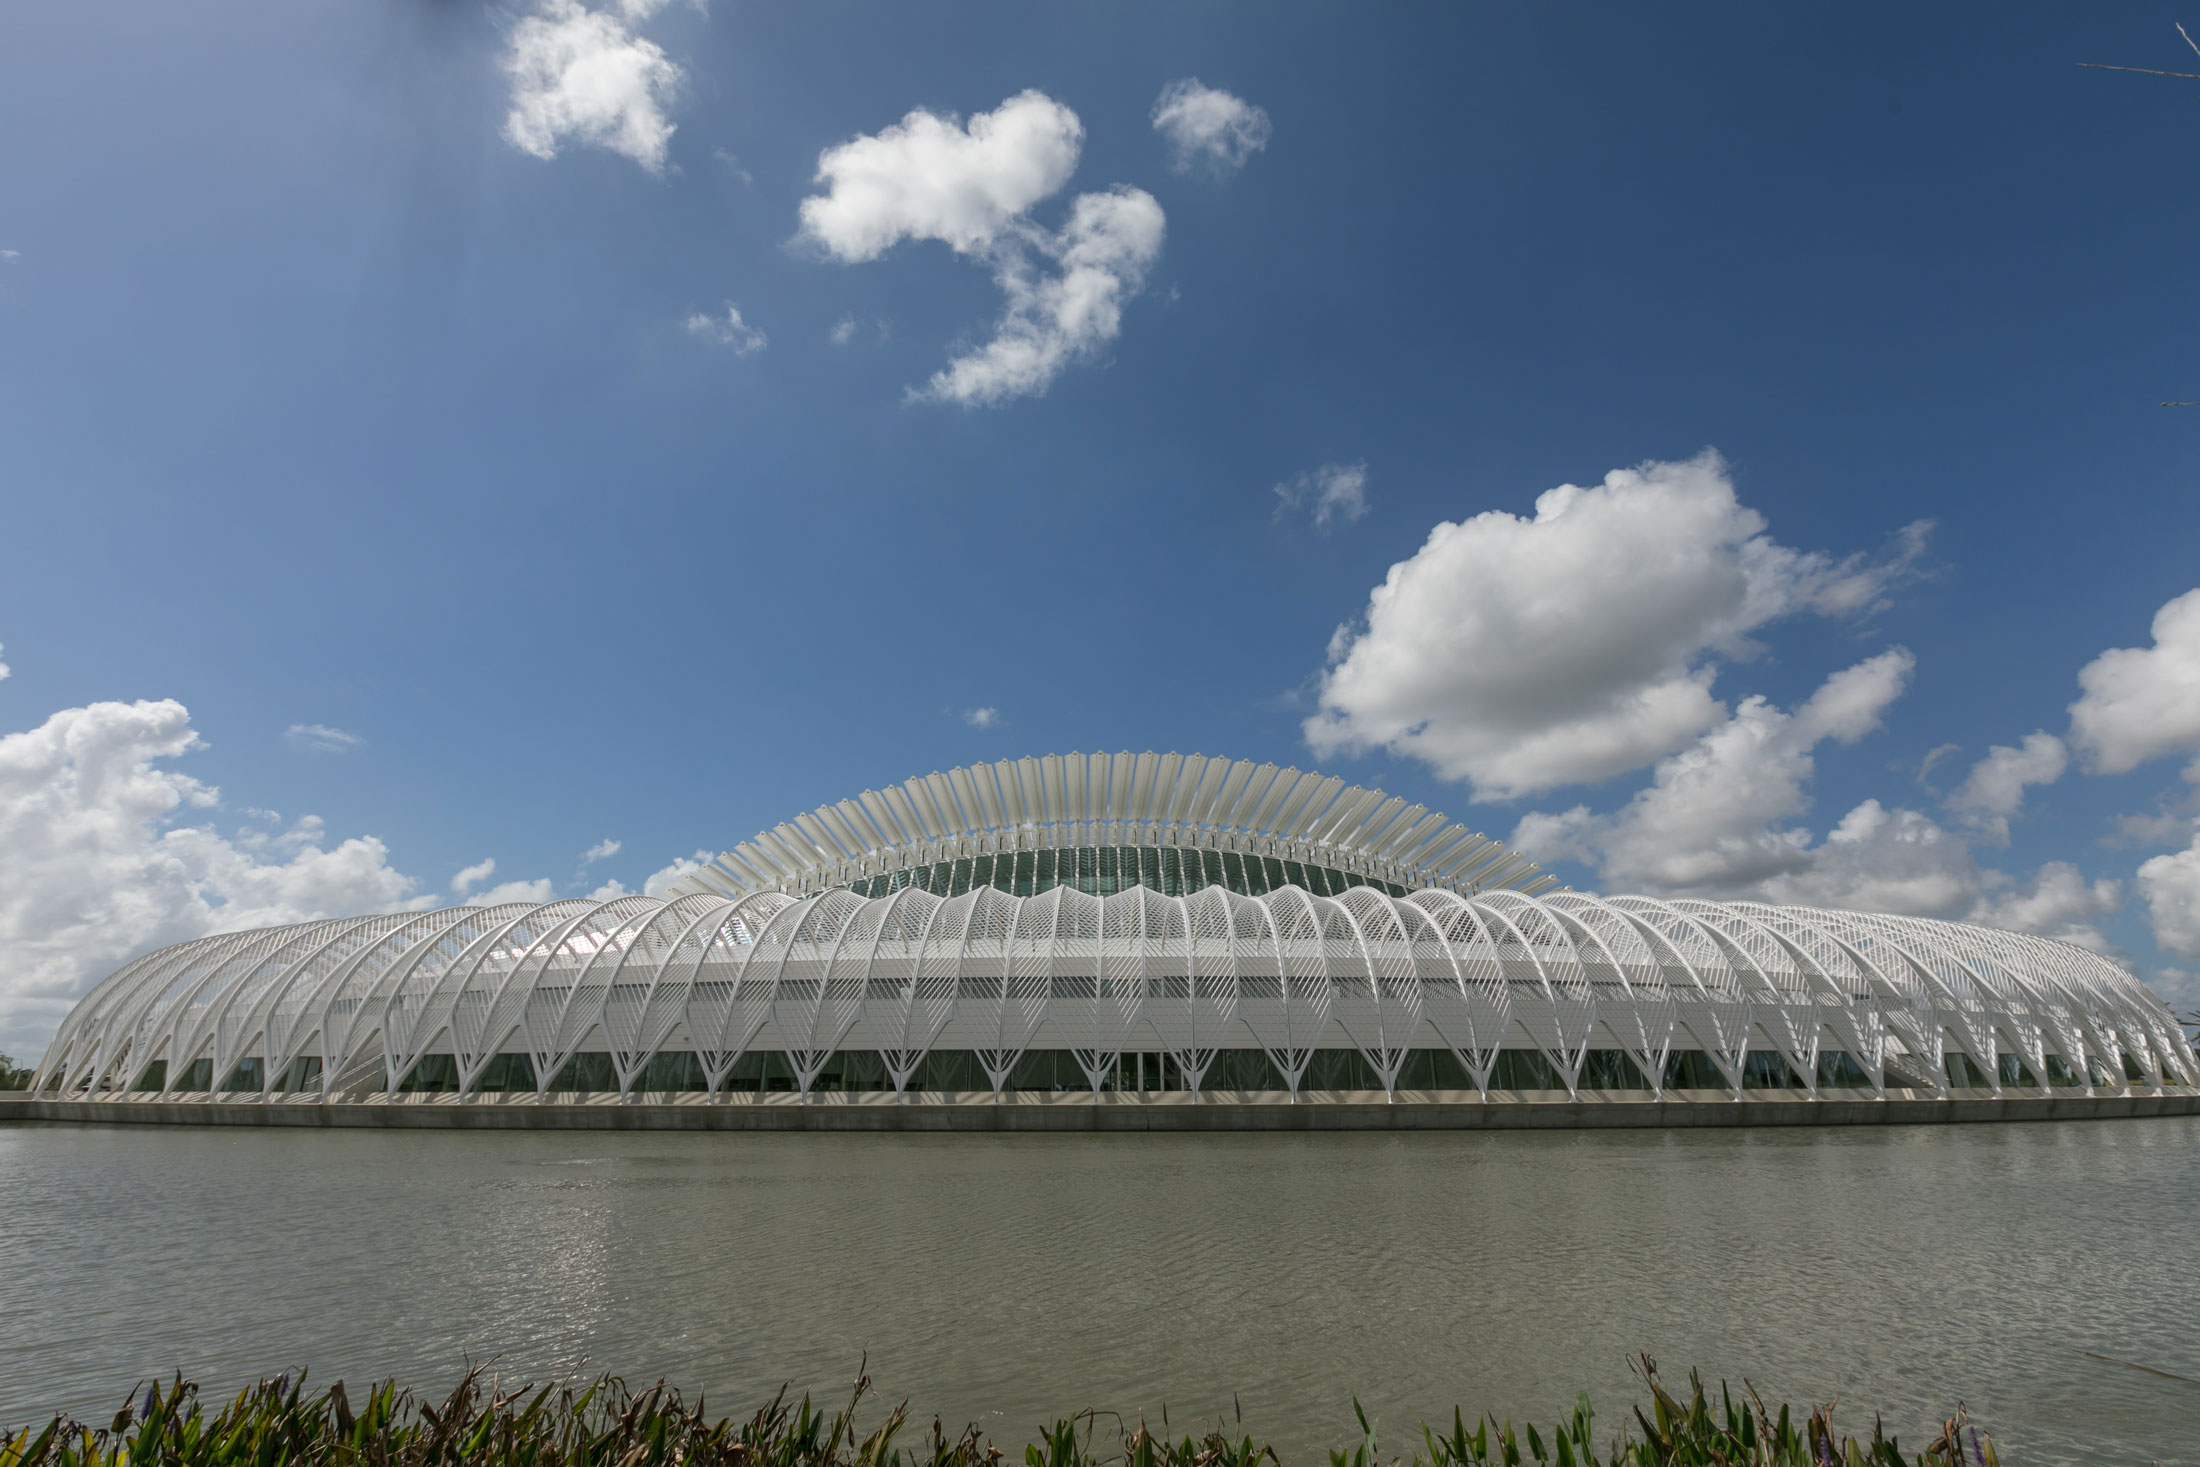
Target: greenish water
(1010,1278)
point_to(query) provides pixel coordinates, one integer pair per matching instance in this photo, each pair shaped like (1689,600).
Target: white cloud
(2164,828)
(1330,493)
(602,850)
(2178,987)
(2142,702)
(319,738)
(730,331)
(1717,816)
(2057,902)
(582,75)
(930,177)
(1206,126)
(664,876)
(1524,654)
(732,164)
(1055,320)
(2170,886)
(657,880)
(982,717)
(1720,820)
(1934,758)
(1994,790)
(538,891)
(971,187)
(98,862)
(474,875)
(3,667)
(849,327)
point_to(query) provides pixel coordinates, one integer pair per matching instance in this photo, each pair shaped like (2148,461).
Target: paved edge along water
(869,1112)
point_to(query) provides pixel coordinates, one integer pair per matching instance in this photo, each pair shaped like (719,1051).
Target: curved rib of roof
(987,973)
(1068,800)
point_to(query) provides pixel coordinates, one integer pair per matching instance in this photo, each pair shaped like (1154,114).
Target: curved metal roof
(1287,974)
(1064,800)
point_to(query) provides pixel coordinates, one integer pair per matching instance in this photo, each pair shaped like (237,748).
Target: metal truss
(356,1004)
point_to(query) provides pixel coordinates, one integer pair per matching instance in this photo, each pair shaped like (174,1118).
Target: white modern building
(1115,930)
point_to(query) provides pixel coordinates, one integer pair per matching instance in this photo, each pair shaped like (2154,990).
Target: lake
(1010,1279)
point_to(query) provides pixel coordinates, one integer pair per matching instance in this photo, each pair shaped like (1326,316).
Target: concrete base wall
(1141,1112)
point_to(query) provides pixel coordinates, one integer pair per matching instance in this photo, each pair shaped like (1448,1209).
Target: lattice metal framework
(1149,800)
(1286,973)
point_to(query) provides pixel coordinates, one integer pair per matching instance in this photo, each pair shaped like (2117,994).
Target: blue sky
(328,402)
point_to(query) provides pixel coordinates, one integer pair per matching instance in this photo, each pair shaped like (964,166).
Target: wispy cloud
(982,717)
(319,738)
(1332,494)
(1208,127)
(602,850)
(849,327)
(728,330)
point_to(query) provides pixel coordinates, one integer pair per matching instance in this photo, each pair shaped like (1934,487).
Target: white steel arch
(1433,984)
(1145,800)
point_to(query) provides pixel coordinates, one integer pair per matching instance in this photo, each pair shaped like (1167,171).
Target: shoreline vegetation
(279,1423)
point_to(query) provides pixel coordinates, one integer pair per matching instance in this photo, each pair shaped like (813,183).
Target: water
(1008,1279)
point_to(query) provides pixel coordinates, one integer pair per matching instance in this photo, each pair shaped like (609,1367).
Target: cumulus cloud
(106,851)
(657,880)
(982,717)
(583,75)
(971,187)
(2143,702)
(1331,493)
(319,738)
(2057,902)
(1063,316)
(539,890)
(3,666)
(1994,790)
(2179,988)
(1721,819)
(602,850)
(931,177)
(1718,815)
(1208,127)
(1524,654)
(472,876)
(2170,886)
(728,330)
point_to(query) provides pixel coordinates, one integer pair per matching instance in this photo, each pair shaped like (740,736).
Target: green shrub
(277,1424)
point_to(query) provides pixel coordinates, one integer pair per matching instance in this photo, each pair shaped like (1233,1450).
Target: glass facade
(962,1071)
(1106,870)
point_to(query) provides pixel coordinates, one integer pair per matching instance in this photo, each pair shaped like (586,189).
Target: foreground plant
(277,1424)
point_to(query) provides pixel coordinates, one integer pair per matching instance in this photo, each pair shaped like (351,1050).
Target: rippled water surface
(1008,1279)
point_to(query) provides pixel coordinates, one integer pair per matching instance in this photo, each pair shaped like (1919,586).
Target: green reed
(277,1423)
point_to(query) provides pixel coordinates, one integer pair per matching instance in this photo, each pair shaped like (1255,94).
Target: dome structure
(1116,925)
(1175,813)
